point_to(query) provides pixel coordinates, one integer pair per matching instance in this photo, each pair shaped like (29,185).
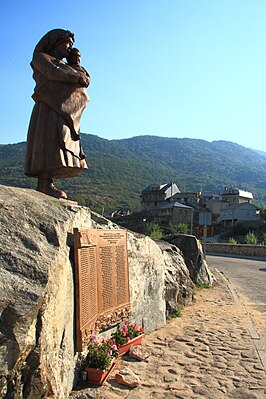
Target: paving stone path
(207,353)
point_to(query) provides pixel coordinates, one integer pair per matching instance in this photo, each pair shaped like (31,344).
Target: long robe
(53,143)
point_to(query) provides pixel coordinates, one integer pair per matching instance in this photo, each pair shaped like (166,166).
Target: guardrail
(236,249)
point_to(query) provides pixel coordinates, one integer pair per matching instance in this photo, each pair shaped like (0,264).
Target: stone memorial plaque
(102,283)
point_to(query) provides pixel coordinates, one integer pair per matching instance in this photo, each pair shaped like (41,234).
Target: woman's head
(56,42)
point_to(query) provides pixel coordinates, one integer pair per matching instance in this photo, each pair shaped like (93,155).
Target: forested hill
(120,169)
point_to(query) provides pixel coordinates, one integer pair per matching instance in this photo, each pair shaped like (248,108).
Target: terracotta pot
(135,341)
(96,376)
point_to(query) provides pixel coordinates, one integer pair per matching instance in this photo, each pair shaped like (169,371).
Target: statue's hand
(84,80)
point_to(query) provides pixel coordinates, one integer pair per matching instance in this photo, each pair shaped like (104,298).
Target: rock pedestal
(37,343)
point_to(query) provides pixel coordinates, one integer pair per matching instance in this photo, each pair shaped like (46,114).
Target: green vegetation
(232,240)
(120,169)
(182,228)
(174,313)
(251,238)
(200,284)
(154,231)
(263,241)
(238,232)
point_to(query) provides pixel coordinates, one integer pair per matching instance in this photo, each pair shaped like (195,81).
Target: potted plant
(100,359)
(127,335)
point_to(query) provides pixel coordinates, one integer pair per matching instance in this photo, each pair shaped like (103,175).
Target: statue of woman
(53,143)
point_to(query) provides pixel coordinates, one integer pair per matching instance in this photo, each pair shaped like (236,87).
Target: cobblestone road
(207,353)
(248,277)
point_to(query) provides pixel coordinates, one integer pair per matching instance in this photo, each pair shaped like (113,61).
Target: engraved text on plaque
(102,284)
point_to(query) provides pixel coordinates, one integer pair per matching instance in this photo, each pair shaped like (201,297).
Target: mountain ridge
(120,169)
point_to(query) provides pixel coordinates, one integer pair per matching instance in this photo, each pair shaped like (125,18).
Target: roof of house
(161,188)
(237,191)
(173,204)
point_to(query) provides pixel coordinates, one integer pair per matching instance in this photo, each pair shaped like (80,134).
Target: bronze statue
(53,143)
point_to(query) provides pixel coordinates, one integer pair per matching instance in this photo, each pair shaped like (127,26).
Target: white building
(236,196)
(239,213)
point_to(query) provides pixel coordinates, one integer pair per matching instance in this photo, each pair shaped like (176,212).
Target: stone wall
(37,348)
(236,249)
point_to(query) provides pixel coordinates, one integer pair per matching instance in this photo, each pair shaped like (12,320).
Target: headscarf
(51,39)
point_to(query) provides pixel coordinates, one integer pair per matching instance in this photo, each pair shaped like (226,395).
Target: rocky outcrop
(194,257)
(37,296)
(178,284)
(146,280)
(37,351)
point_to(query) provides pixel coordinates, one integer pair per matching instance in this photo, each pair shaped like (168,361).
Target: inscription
(88,284)
(107,285)
(111,237)
(102,290)
(120,263)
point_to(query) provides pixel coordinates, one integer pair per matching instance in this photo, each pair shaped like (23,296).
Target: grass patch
(173,314)
(199,284)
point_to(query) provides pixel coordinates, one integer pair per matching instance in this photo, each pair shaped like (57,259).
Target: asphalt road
(247,275)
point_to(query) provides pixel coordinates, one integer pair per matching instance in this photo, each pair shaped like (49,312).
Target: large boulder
(37,357)
(178,284)
(147,281)
(37,348)
(192,251)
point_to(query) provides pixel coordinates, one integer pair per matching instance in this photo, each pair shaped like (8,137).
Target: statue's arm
(87,76)
(85,79)
(43,63)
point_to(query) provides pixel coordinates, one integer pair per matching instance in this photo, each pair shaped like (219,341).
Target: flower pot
(135,341)
(98,377)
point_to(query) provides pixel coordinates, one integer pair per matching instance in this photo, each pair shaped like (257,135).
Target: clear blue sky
(175,68)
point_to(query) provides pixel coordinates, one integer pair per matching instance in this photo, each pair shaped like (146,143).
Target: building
(235,196)
(156,194)
(244,212)
(172,212)
(231,196)
(213,203)
(187,198)
(169,205)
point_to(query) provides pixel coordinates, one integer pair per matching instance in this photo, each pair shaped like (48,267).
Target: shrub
(154,231)
(251,239)
(263,241)
(232,240)
(182,228)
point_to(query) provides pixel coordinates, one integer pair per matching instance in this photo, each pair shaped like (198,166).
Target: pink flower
(110,352)
(128,338)
(124,334)
(104,339)
(141,330)
(114,347)
(126,321)
(135,326)
(125,328)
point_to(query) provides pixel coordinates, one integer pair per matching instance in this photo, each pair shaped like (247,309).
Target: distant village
(171,206)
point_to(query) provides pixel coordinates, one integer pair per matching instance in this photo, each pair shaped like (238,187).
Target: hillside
(120,169)
(263,153)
